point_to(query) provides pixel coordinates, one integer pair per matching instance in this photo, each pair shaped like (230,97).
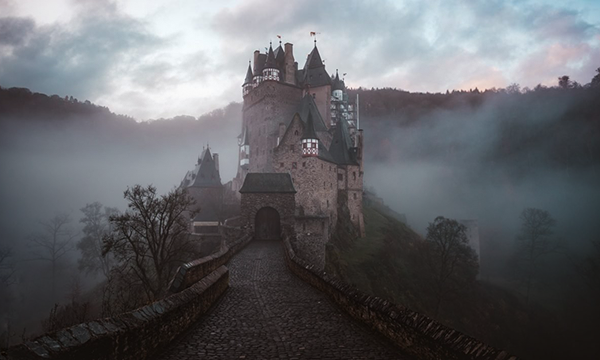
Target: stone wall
(193,271)
(284,203)
(131,336)
(416,334)
(314,179)
(267,105)
(312,235)
(140,333)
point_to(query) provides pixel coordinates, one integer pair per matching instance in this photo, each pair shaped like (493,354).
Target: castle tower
(270,71)
(247,86)
(310,141)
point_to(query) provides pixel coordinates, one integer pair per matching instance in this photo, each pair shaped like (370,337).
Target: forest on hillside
(483,155)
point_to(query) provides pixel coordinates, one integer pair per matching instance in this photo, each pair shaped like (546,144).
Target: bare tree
(96,227)
(53,243)
(534,241)
(452,263)
(7,267)
(151,238)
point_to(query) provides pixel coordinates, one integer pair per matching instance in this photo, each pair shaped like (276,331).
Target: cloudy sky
(162,58)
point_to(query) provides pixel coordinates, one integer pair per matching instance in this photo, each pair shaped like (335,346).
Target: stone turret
(247,86)
(270,71)
(310,140)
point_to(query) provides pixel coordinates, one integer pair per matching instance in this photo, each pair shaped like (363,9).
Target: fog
(453,162)
(52,166)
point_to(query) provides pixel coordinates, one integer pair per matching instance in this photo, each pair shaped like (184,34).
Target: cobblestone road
(268,313)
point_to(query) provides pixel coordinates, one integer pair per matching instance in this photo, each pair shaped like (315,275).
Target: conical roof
(314,59)
(309,129)
(337,83)
(249,75)
(314,73)
(341,144)
(271,61)
(208,175)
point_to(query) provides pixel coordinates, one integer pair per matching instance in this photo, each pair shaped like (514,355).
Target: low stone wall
(191,272)
(138,334)
(416,334)
(133,335)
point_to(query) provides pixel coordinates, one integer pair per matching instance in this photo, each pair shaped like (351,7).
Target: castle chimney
(256,52)
(290,71)
(216,159)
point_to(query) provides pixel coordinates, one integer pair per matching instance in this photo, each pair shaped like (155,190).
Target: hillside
(389,263)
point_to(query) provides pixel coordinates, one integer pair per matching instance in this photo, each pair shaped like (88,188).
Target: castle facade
(301,122)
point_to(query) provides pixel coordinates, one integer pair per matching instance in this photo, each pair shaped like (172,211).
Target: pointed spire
(314,59)
(309,129)
(271,63)
(337,83)
(249,74)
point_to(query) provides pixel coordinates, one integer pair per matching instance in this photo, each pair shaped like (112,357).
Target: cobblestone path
(268,313)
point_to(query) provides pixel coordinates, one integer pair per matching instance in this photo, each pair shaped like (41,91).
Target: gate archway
(267,224)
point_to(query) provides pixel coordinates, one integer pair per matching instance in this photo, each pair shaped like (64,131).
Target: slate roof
(249,75)
(280,56)
(314,73)
(308,106)
(268,183)
(309,129)
(271,62)
(341,144)
(337,83)
(208,175)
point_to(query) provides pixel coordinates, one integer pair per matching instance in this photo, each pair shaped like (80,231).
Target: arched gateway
(267,224)
(268,203)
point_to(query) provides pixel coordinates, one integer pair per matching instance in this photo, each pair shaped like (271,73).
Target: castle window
(294,165)
(314,95)
(330,185)
(321,166)
(304,164)
(341,177)
(327,203)
(354,175)
(354,196)
(296,132)
(280,164)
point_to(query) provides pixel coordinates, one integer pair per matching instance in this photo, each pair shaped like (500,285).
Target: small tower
(338,87)
(270,71)
(248,81)
(310,141)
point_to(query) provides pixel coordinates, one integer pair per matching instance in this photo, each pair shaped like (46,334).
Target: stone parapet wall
(416,334)
(191,272)
(131,336)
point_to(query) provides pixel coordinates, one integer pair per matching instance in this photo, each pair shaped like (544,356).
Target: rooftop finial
(312,33)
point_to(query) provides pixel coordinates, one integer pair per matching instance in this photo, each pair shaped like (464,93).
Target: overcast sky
(162,58)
